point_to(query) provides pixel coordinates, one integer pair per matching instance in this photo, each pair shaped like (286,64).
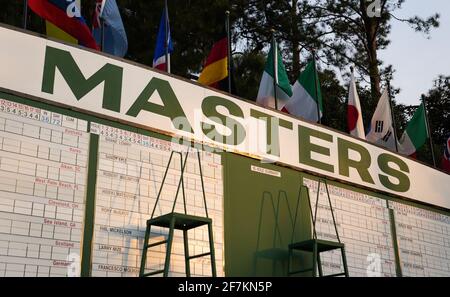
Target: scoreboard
(423,239)
(43,162)
(85,140)
(130,172)
(364,227)
(43,179)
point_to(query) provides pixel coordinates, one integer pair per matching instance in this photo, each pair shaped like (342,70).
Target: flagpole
(166,40)
(275,68)
(319,119)
(228,28)
(429,131)
(25,13)
(394,125)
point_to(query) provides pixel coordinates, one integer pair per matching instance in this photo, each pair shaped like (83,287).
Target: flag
(66,15)
(159,58)
(98,10)
(381,130)
(446,158)
(57,33)
(266,87)
(115,40)
(416,133)
(306,101)
(215,69)
(354,114)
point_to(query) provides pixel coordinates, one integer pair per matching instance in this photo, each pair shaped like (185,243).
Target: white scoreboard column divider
(89,215)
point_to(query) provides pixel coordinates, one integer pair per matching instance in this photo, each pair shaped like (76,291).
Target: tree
(289,18)
(353,31)
(342,32)
(438,107)
(334,101)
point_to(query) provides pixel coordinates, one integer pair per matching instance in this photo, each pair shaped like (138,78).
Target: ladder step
(155,244)
(300,271)
(153,272)
(337,274)
(199,255)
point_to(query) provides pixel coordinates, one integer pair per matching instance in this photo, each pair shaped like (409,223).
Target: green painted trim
(226,220)
(398,266)
(89,214)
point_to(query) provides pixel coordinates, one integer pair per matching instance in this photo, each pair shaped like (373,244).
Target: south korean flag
(381,129)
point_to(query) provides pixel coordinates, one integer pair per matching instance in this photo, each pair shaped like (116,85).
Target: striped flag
(306,101)
(159,58)
(215,70)
(66,15)
(416,133)
(274,70)
(354,114)
(55,32)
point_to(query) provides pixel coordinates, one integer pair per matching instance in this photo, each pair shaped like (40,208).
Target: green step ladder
(273,253)
(178,221)
(317,246)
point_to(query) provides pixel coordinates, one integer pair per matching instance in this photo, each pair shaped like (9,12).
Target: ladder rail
(162,182)
(203,184)
(332,211)
(172,225)
(317,263)
(181,181)
(310,210)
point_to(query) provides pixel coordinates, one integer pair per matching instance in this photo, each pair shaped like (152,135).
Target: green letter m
(110,74)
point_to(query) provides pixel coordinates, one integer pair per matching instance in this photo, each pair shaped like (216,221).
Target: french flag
(159,58)
(66,15)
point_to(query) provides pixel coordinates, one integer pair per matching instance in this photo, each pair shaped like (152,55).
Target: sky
(416,59)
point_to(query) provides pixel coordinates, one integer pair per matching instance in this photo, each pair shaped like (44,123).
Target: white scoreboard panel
(423,240)
(364,227)
(43,159)
(130,172)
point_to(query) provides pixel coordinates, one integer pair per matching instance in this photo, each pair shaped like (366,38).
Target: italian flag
(416,133)
(306,101)
(274,73)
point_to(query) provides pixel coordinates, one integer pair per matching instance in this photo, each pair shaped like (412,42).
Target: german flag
(215,71)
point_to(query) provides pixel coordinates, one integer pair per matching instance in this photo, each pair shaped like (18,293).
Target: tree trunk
(374,72)
(370,26)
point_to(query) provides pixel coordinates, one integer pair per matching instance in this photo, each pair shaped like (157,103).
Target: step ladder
(178,221)
(317,246)
(277,252)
